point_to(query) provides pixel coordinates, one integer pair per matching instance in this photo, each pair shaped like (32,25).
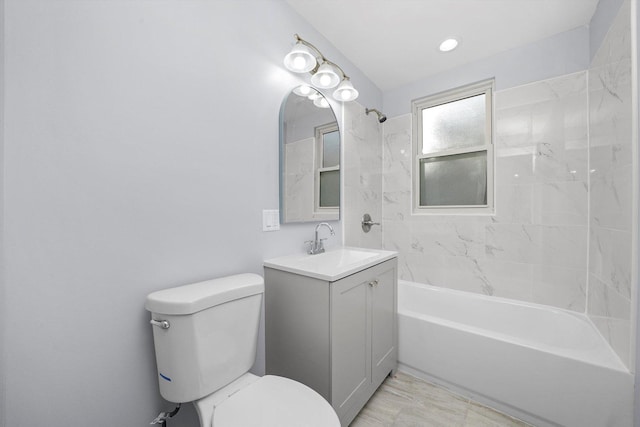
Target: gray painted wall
(141,145)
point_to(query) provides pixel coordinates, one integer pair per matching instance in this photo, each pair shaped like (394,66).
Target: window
(452,144)
(327,168)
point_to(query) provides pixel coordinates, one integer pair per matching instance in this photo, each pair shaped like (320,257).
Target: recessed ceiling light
(449,44)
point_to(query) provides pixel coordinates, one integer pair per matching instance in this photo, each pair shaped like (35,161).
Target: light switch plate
(270,220)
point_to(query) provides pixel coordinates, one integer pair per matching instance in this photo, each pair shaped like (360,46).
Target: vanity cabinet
(338,337)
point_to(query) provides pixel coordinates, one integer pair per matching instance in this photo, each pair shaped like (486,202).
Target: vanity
(331,323)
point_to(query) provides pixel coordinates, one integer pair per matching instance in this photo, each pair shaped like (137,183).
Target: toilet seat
(273,401)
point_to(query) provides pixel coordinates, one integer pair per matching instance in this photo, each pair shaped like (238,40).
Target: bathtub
(546,366)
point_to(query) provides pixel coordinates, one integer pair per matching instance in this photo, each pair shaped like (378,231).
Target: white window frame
(319,141)
(485,87)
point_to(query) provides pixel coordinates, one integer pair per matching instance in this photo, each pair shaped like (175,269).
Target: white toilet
(205,337)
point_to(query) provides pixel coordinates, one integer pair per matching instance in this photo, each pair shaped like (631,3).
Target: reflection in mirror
(309,158)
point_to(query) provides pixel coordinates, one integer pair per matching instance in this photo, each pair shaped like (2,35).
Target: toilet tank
(211,337)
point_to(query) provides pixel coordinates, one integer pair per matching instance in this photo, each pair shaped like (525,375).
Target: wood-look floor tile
(406,401)
(433,416)
(482,416)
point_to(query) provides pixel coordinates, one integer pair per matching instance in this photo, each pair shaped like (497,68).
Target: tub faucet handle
(367,223)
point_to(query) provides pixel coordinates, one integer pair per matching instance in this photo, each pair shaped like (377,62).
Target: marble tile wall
(362,176)
(610,116)
(535,247)
(299,181)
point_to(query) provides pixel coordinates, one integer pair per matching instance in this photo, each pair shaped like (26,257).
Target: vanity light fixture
(305,57)
(449,44)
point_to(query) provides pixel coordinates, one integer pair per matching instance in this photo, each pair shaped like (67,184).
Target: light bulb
(302,90)
(345,91)
(299,62)
(305,90)
(346,94)
(325,77)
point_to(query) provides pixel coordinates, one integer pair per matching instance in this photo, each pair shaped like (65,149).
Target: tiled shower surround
(362,176)
(535,247)
(561,234)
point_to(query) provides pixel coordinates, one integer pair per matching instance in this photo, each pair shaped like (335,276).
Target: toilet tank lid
(188,299)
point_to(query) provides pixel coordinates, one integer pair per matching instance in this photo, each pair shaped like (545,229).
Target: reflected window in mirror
(328,167)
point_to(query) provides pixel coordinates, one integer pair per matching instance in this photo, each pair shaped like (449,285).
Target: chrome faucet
(316,246)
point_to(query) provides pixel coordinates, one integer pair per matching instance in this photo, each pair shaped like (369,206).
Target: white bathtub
(546,366)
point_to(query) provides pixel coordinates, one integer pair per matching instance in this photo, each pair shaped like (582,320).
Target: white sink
(331,265)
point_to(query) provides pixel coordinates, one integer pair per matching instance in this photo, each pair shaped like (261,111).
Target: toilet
(205,336)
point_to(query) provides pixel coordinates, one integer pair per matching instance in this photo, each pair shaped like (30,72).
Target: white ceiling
(394,42)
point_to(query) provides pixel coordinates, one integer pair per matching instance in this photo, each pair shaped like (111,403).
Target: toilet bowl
(205,338)
(268,401)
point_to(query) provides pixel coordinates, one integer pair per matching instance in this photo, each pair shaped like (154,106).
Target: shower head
(381,117)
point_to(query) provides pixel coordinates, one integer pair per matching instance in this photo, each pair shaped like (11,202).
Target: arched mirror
(309,158)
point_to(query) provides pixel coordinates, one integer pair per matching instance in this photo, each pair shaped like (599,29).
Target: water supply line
(164,416)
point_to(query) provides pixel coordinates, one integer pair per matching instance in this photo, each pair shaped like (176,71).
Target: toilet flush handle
(164,324)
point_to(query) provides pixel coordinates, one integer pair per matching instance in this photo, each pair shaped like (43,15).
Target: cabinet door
(383,319)
(350,329)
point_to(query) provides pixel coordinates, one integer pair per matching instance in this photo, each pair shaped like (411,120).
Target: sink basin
(331,265)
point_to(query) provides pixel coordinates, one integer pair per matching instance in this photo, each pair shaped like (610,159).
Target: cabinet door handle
(373,283)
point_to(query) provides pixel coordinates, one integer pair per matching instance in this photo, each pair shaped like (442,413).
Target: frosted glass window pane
(458,180)
(329,189)
(330,149)
(457,124)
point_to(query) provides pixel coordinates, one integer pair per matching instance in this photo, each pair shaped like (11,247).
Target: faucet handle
(309,244)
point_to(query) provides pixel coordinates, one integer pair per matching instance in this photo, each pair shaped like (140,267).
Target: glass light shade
(326,77)
(303,90)
(345,91)
(321,102)
(300,59)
